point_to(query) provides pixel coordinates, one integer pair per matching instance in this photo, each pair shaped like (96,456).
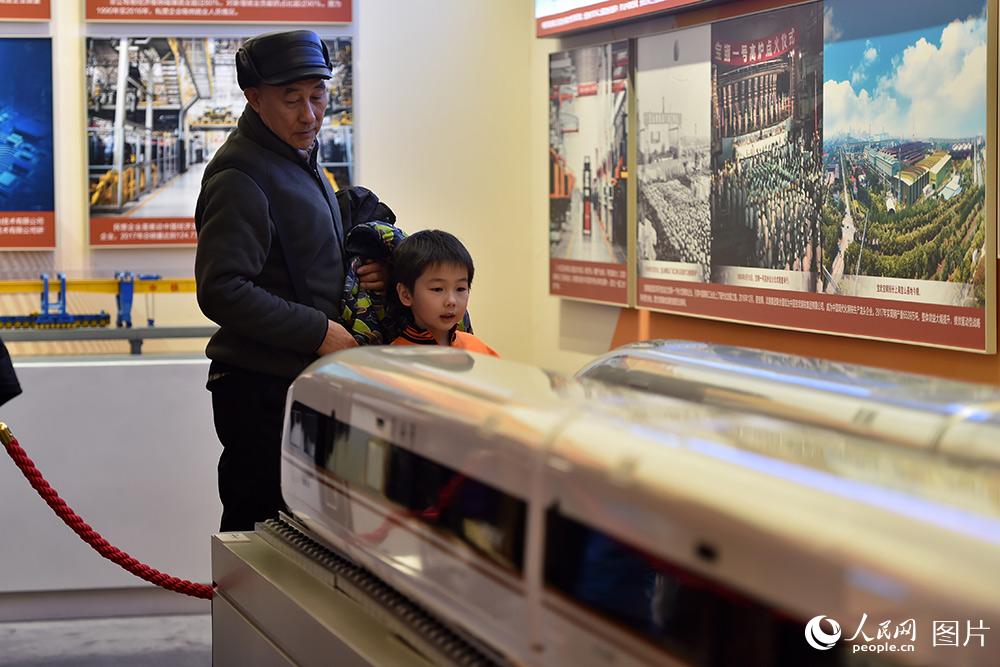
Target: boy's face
(439,298)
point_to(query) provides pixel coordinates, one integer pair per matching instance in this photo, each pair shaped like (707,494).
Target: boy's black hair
(426,248)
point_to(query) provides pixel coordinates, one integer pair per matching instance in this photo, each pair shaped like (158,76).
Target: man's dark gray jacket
(255,182)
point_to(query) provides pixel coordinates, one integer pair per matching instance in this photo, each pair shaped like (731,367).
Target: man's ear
(405,297)
(253,97)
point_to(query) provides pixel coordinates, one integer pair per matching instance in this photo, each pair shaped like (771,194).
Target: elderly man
(270,264)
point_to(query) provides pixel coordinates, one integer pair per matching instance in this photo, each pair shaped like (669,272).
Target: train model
(549,520)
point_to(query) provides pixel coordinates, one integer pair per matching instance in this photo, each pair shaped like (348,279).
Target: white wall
(442,137)
(452,130)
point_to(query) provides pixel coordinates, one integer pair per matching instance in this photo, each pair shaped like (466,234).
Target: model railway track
(408,620)
(36,321)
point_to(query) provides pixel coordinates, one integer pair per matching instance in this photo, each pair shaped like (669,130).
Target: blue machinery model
(53,314)
(126,290)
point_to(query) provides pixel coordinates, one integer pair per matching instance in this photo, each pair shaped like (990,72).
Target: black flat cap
(282,57)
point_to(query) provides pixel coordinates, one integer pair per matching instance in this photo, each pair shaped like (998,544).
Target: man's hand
(337,338)
(373,275)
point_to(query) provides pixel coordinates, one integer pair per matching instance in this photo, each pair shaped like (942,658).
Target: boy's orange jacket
(459,339)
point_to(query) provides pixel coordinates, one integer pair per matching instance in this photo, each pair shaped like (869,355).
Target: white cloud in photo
(932,90)
(831,33)
(860,72)
(856,112)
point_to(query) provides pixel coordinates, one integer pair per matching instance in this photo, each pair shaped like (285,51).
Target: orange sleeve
(469,342)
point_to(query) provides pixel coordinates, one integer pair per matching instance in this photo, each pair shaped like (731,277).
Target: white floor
(150,641)
(174,199)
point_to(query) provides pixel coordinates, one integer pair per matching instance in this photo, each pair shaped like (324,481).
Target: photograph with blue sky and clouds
(926,78)
(904,141)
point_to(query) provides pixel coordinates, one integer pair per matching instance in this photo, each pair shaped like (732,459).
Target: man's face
(293,111)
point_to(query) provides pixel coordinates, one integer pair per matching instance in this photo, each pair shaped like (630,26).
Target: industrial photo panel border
(588,174)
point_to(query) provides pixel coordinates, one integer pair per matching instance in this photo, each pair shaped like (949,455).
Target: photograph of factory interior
(195,75)
(535,333)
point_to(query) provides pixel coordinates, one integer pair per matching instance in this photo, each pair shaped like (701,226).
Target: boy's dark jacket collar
(420,336)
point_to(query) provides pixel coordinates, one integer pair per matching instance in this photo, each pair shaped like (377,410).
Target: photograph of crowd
(674,168)
(767,129)
(905,149)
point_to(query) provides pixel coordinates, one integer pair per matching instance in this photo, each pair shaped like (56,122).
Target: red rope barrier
(88,534)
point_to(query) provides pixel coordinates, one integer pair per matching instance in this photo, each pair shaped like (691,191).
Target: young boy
(433,274)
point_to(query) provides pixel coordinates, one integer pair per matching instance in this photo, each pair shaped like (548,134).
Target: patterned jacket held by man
(373,318)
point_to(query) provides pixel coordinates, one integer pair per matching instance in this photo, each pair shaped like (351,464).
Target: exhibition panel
(24,10)
(674,172)
(555,17)
(157,110)
(27,197)
(808,167)
(588,174)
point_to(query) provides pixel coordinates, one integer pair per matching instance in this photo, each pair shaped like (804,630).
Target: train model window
(680,612)
(307,432)
(488,520)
